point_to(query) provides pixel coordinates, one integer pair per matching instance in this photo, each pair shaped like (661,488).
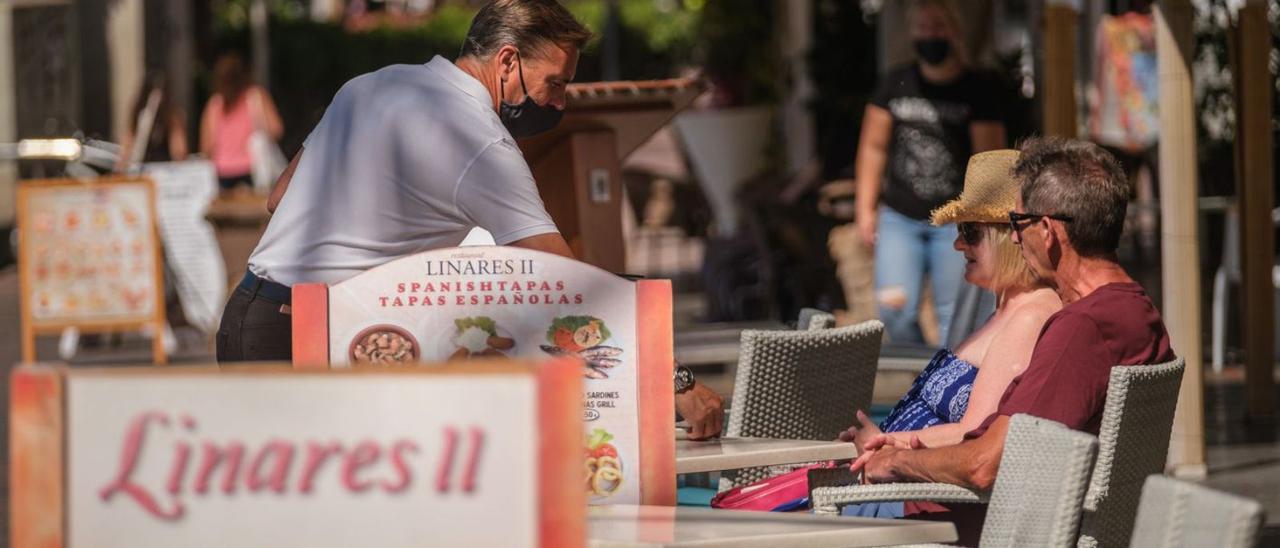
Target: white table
(693,457)
(654,526)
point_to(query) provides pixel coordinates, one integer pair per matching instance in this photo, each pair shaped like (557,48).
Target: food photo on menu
(603,466)
(384,345)
(583,337)
(479,337)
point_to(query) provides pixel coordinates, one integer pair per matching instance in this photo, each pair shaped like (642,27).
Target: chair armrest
(829,500)
(840,476)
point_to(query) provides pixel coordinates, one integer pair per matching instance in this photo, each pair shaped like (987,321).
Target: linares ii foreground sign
(271,456)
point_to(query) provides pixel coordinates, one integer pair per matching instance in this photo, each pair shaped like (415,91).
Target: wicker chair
(1036,500)
(801,385)
(1133,443)
(1176,514)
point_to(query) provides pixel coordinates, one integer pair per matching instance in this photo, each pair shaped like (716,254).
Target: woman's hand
(863,433)
(867,222)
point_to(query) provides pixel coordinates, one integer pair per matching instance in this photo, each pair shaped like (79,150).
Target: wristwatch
(683,378)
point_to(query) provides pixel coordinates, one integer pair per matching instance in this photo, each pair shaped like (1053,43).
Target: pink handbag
(781,493)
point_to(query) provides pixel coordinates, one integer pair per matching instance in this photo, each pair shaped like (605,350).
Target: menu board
(460,304)
(406,457)
(89,257)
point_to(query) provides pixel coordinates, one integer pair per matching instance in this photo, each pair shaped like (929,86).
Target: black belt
(266,288)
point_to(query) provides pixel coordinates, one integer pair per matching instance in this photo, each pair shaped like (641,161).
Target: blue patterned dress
(940,395)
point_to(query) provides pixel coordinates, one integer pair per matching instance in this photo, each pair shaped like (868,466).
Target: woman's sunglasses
(970,233)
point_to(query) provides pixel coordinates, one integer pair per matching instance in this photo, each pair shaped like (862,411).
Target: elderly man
(1068,222)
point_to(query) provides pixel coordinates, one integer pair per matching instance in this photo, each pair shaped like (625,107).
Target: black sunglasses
(1016,219)
(970,234)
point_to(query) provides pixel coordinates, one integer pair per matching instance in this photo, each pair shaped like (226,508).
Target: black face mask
(933,51)
(527,118)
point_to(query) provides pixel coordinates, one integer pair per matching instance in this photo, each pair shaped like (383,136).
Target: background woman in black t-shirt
(919,130)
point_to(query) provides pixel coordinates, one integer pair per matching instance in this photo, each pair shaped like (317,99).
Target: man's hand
(877,467)
(873,462)
(703,409)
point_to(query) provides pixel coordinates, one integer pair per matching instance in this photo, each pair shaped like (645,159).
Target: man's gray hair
(1078,179)
(529,25)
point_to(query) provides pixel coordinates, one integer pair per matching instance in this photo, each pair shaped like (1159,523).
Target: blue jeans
(906,250)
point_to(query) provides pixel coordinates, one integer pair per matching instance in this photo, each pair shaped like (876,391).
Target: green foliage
(310,60)
(731,39)
(662,25)
(739,51)
(234,14)
(657,38)
(449,24)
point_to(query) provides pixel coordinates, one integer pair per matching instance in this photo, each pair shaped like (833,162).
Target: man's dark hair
(529,25)
(1078,179)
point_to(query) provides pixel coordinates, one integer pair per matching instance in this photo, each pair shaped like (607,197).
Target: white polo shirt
(405,159)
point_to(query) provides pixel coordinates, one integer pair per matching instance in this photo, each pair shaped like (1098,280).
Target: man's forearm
(942,435)
(972,464)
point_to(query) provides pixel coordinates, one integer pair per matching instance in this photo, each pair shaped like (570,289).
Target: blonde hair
(1011,269)
(952,15)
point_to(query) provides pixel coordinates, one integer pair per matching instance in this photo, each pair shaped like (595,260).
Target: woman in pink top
(236,109)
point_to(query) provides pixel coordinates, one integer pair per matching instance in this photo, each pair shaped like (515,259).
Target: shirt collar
(461,80)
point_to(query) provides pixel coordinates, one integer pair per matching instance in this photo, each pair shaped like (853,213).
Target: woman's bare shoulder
(1032,312)
(1041,301)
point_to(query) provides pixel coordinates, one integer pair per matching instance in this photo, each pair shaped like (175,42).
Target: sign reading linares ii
(269,466)
(272,456)
(497,267)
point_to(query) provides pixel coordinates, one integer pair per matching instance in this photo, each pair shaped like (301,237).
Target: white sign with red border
(277,457)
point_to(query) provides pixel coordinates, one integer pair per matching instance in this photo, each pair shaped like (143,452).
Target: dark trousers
(254,328)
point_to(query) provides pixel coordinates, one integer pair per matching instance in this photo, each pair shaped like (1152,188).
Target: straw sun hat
(990,191)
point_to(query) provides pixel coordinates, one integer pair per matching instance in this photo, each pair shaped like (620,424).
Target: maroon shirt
(1070,367)
(1067,378)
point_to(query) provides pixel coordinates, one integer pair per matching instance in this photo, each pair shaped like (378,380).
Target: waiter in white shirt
(411,158)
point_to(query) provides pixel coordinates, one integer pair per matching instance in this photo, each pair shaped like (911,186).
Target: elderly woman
(960,388)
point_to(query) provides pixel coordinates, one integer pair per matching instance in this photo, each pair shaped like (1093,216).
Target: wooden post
(1059,86)
(1255,199)
(1179,189)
